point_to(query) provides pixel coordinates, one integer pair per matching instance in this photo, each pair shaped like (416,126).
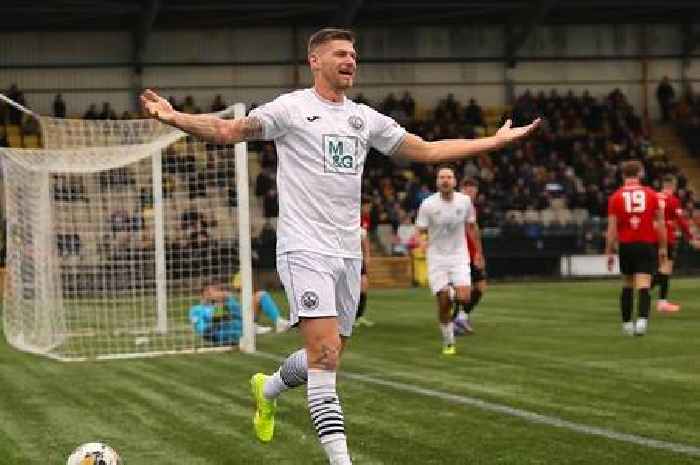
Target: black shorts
(671,250)
(638,257)
(478,274)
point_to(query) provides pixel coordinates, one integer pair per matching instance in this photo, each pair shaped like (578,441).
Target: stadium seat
(532,216)
(557,204)
(547,217)
(564,216)
(423,113)
(225,226)
(13,130)
(580,216)
(14,140)
(515,216)
(31,141)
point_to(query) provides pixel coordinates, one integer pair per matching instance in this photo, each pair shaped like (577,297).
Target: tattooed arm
(210,128)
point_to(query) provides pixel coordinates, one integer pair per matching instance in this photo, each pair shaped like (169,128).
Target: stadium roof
(138,15)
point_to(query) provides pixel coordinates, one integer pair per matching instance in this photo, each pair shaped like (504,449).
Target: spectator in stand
(271,204)
(264,266)
(268,156)
(30,126)
(405,236)
(695,224)
(408,105)
(264,246)
(473,114)
(362,99)
(190,107)
(15,115)
(389,104)
(665,95)
(265,181)
(690,130)
(59,106)
(91,112)
(218,104)
(173,101)
(107,111)
(4,113)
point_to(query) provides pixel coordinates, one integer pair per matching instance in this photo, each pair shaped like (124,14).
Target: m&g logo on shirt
(340,154)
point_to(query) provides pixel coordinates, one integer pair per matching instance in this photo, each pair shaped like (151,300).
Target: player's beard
(446,189)
(344,82)
(340,81)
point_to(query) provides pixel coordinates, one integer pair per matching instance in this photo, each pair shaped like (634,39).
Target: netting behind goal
(113,230)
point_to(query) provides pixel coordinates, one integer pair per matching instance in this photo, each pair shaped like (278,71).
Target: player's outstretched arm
(210,128)
(417,149)
(660,226)
(475,234)
(611,241)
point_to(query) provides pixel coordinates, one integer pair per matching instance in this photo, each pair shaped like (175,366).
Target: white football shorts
(321,286)
(440,275)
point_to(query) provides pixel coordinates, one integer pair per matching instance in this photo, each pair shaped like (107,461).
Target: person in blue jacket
(217,318)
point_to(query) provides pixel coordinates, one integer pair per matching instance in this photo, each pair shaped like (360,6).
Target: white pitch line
(519,413)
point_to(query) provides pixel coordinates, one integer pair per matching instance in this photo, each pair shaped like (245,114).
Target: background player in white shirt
(443,216)
(322,141)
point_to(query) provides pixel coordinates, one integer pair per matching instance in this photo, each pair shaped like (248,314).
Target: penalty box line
(528,416)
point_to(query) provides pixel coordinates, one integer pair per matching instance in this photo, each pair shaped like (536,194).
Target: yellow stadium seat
(423,113)
(13,130)
(14,140)
(31,141)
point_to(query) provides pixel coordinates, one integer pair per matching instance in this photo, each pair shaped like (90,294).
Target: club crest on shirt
(356,123)
(309,300)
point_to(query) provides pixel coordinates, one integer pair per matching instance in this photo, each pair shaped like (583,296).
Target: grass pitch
(550,349)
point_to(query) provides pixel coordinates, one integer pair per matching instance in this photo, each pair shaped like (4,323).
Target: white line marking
(516,412)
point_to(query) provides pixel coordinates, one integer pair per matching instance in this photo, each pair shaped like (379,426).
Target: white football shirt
(445,223)
(321,151)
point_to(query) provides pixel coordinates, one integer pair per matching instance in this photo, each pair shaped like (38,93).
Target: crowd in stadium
(685,111)
(555,183)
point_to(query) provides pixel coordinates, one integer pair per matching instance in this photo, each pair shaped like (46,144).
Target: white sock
(448,333)
(337,452)
(274,386)
(327,416)
(291,374)
(462,315)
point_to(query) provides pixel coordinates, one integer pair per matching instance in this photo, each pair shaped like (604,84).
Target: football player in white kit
(443,216)
(322,140)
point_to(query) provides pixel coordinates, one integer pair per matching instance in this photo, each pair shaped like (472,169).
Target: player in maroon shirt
(462,311)
(673,217)
(636,221)
(696,224)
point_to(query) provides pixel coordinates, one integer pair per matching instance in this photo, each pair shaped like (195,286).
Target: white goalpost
(114,228)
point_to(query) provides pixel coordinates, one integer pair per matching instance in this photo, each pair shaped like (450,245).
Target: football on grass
(94,453)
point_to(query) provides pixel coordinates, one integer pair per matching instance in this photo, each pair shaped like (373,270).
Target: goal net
(114,228)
